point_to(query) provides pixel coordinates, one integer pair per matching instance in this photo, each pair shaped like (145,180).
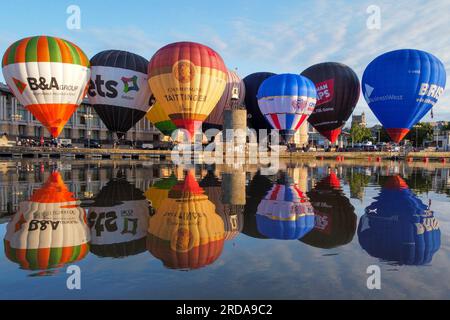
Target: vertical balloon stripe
(84,61)
(54,257)
(73,52)
(42,50)
(54,50)
(75,253)
(6,56)
(31,50)
(21,51)
(12,53)
(32,258)
(65,52)
(22,257)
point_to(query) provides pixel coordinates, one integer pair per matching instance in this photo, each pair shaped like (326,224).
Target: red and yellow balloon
(188,80)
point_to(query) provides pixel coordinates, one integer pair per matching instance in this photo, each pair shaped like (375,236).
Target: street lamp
(88,117)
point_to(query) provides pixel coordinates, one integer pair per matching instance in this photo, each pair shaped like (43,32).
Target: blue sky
(252,36)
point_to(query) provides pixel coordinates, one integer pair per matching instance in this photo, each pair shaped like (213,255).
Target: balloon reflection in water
(398,227)
(285,212)
(228,207)
(118,220)
(186,232)
(49,230)
(335,218)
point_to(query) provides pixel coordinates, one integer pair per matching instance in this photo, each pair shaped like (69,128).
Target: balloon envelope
(401,86)
(186,232)
(118,220)
(234,93)
(48,76)
(188,80)
(338,90)
(118,89)
(285,213)
(286,100)
(49,230)
(158,116)
(252,83)
(397,227)
(335,218)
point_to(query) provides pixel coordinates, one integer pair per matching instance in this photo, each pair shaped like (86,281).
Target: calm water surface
(157,231)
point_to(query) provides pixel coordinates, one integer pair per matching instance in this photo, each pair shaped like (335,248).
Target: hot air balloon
(48,76)
(118,89)
(398,227)
(49,230)
(233,94)
(252,83)
(335,218)
(188,79)
(338,89)
(286,100)
(285,213)
(256,190)
(118,220)
(159,191)
(158,116)
(186,233)
(401,86)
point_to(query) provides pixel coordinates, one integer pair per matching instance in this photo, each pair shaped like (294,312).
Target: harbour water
(152,230)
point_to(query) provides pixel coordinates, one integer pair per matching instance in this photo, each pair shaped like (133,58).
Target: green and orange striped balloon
(49,76)
(48,231)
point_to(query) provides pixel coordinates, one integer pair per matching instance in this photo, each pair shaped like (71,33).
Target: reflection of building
(359,120)
(15,120)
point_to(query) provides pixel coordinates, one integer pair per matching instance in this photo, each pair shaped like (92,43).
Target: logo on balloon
(126,84)
(325,91)
(20,85)
(184,71)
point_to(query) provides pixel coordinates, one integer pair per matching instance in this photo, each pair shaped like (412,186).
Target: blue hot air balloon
(285,213)
(398,227)
(401,87)
(286,100)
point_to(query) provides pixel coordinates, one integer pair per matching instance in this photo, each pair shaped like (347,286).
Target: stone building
(16,121)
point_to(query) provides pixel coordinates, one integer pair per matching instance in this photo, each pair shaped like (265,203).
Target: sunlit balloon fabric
(285,213)
(335,218)
(118,220)
(158,116)
(252,82)
(49,230)
(186,233)
(400,88)
(48,76)
(118,89)
(338,90)
(234,93)
(398,227)
(188,79)
(159,191)
(286,100)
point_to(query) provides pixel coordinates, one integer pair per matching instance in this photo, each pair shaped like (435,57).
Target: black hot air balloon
(118,90)
(335,218)
(252,82)
(256,191)
(118,220)
(337,94)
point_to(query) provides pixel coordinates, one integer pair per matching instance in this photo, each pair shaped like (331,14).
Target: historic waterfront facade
(16,121)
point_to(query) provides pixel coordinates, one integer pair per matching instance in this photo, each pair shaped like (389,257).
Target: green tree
(419,133)
(360,134)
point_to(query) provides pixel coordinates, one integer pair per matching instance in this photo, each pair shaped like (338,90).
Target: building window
(67,133)
(38,132)
(22,130)
(81,133)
